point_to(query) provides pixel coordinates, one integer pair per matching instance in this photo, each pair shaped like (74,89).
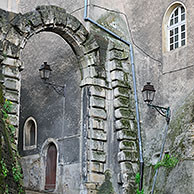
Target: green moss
(124,100)
(106,187)
(128,144)
(123,90)
(129,133)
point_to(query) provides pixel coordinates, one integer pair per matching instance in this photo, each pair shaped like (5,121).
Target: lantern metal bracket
(58,88)
(165,112)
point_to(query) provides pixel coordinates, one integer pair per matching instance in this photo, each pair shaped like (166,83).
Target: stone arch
(18,28)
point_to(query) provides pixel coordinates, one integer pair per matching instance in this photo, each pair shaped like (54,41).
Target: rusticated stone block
(11,62)
(124,113)
(97,167)
(121,91)
(98,91)
(98,135)
(118,55)
(117,75)
(72,23)
(12,95)
(125,124)
(97,178)
(11,71)
(98,113)
(127,145)
(127,156)
(81,34)
(97,124)
(126,134)
(33,18)
(91,45)
(12,84)
(90,186)
(97,102)
(97,145)
(121,102)
(98,156)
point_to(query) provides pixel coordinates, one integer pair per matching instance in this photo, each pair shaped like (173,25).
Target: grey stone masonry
(125,124)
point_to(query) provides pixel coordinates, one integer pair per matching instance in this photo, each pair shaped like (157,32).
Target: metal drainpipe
(86,18)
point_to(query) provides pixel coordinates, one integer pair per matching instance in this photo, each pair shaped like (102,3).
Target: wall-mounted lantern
(148,96)
(45,72)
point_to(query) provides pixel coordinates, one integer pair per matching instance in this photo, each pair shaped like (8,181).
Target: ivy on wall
(10,170)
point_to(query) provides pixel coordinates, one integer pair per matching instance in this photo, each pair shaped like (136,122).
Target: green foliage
(17,172)
(9,152)
(168,162)
(3,169)
(6,189)
(137,180)
(139,192)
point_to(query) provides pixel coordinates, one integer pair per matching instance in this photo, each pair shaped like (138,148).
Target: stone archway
(16,29)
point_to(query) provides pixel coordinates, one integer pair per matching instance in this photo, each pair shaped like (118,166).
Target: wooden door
(51,164)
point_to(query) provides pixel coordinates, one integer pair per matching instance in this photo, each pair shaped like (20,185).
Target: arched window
(51,167)
(175,27)
(30,134)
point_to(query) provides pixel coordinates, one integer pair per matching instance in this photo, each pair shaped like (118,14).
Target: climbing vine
(137,180)
(10,169)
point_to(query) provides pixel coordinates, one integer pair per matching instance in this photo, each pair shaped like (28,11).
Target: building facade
(87,135)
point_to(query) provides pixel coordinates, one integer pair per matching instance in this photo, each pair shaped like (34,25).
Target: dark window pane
(171,32)
(182,42)
(176,30)
(171,47)
(182,9)
(176,45)
(182,35)
(171,40)
(171,22)
(176,20)
(183,17)
(176,38)
(183,28)
(176,12)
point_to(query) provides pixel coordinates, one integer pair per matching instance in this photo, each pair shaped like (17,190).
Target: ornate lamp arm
(58,88)
(165,112)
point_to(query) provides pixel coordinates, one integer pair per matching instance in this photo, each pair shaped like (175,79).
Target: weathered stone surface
(12,95)
(72,23)
(127,156)
(127,145)
(97,167)
(97,178)
(11,62)
(12,84)
(98,91)
(11,71)
(98,135)
(117,75)
(119,55)
(126,134)
(121,91)
(124,113)
(121,102)
(98,113)
(97,145)
(98,156)
(97,102)
(125,123)
(97,124)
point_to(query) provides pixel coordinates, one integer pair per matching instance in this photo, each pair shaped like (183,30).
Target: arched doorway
(51,164)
